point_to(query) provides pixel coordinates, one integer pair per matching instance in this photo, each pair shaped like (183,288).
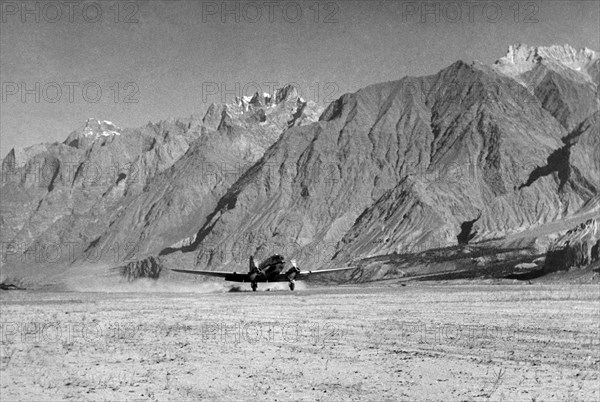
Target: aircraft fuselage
(269,269)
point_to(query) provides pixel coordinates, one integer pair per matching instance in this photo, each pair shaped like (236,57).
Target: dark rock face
(466,231)
(470,154)
(147,268)
(579,247)
(595,254)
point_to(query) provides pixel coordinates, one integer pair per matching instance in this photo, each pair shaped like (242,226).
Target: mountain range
(474,165)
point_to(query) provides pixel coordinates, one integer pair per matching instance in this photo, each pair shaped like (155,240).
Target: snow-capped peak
(266,100)
(521,58)
(96,128)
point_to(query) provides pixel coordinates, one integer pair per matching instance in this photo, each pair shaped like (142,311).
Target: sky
(131,62)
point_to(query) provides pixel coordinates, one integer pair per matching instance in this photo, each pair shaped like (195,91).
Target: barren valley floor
(434,341)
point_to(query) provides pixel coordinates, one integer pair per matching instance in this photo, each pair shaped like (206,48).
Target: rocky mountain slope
(579,247)
(468,156)
(106,194)
(564,79)
(62,192)
(471,155)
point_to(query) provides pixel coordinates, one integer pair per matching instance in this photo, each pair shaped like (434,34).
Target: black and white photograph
(304,200)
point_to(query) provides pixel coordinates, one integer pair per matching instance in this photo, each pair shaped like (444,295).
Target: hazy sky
(156,59)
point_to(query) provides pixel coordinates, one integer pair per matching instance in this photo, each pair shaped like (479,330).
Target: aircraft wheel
(292,286)
(254,287)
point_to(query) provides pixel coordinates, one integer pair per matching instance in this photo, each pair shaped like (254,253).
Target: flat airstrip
(472,340)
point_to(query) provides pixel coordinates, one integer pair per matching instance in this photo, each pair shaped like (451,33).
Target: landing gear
(292,285)
(254,286)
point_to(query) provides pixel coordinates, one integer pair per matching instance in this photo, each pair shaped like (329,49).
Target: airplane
(270,270)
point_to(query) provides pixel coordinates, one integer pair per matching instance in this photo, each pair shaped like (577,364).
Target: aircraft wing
(305,274)
(228,276)
(325,271)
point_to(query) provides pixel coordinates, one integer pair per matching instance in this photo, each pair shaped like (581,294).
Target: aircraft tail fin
(252,265)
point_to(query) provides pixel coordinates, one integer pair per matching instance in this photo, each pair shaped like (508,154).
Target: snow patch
(95,129)
(521,58)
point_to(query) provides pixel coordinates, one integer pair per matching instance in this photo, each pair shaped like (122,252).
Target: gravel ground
(424,341)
